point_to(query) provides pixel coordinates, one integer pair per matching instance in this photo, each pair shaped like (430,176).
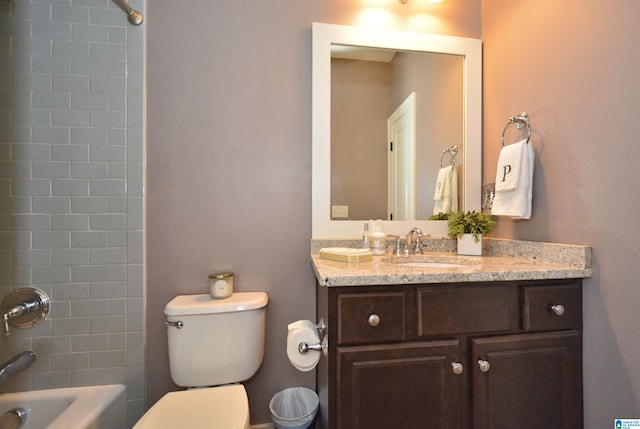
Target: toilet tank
(220,341)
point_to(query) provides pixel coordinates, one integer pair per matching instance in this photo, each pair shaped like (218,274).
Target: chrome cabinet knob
(484,365)
(374,320)
(457,367)
(558,309)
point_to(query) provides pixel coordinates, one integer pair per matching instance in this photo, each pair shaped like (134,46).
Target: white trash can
(294,408)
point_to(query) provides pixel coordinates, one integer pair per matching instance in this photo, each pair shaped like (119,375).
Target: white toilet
(212,342)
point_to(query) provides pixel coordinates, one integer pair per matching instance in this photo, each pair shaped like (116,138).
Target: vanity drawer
(461,310)
(547,308)
(371,317)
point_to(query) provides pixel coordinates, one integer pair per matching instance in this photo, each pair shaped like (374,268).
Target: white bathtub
(93,407)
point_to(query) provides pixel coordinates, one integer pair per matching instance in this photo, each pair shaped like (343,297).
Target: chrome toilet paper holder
(304,347)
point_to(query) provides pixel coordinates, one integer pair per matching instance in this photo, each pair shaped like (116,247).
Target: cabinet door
(529,381)
(401,386)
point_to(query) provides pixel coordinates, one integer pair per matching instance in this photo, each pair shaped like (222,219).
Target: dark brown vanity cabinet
(483,356)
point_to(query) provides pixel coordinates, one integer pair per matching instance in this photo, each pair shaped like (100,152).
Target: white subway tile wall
(71,190)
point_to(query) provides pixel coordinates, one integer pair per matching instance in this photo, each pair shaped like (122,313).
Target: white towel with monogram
(514,181)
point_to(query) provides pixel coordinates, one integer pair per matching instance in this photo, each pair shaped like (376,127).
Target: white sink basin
(431,261)
(430,265)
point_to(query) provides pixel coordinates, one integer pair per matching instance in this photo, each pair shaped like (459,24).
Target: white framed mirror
(328,36)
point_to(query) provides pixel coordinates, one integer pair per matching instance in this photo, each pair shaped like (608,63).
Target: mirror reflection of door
(402,161)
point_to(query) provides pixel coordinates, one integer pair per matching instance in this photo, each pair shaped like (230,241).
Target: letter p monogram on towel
(505,170)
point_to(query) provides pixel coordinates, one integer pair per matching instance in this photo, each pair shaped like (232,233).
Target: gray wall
(572,65)
(229,157)
(71,186)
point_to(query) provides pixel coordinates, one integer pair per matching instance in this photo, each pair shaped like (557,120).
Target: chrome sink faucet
(16,364)
(398,249)
(413,241)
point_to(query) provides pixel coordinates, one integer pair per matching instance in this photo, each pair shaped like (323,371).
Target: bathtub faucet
(16,364)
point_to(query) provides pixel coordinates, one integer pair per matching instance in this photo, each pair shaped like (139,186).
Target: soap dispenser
(365,237)
(378,239)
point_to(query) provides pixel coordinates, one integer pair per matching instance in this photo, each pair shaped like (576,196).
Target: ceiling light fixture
(430,1)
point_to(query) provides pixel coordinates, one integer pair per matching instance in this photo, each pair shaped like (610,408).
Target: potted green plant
(469,228)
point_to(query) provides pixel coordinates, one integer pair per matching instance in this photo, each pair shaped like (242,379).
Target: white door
(402,160)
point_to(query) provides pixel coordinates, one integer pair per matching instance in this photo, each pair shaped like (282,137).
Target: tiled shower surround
(71,190)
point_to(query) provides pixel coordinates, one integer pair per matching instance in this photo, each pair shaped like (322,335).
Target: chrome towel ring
(453,151)
(520,121)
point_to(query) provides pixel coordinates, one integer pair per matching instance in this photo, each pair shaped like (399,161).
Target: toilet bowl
(222,407)
(212,342)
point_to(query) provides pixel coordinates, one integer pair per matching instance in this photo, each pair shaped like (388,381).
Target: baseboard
(263,426)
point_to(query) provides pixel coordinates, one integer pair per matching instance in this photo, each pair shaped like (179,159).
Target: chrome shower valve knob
(24,308)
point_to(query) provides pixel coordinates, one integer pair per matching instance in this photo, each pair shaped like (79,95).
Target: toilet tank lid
(183,305)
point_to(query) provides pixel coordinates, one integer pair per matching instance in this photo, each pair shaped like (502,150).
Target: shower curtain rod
(133,16)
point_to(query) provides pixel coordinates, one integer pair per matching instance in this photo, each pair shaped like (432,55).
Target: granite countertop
(502,260)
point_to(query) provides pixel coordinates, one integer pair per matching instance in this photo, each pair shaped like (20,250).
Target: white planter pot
(468,246)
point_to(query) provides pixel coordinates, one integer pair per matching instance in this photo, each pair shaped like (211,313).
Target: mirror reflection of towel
(448,202)
(514,181)
(439,191)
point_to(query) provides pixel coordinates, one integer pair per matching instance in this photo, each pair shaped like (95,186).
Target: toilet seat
(223,407)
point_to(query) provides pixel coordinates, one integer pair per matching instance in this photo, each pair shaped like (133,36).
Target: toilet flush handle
(177,324)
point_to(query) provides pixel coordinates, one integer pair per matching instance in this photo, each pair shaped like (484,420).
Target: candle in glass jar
(221,285)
